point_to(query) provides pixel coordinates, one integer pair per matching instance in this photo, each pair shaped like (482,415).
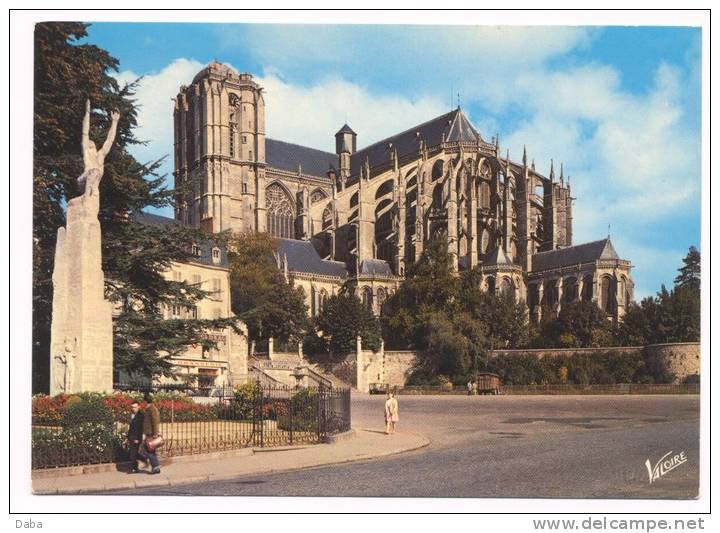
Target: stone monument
(81,345)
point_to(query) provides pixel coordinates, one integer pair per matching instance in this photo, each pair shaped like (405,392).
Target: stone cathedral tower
(220,151)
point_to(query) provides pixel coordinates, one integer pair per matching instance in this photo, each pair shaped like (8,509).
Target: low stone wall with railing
(252,415)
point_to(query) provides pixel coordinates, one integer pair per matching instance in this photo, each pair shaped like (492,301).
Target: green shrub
(89,410)
(246,396)
(303,412)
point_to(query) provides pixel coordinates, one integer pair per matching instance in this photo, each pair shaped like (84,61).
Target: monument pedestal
(81,348)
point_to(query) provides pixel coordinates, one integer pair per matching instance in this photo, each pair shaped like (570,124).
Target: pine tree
(134,255)
(689,276)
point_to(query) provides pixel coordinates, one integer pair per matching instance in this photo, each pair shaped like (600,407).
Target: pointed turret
(524,159)
(552,171)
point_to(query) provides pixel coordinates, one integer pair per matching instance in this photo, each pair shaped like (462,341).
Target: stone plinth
(81,348)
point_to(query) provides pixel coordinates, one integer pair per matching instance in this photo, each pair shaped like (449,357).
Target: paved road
(506,446)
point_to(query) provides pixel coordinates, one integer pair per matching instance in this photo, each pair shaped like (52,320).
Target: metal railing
(256,415)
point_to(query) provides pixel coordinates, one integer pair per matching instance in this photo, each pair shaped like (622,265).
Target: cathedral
(360,216)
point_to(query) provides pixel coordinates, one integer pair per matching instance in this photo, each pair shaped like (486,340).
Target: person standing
(151,429)
(391,413)
(470,387)
(135,435)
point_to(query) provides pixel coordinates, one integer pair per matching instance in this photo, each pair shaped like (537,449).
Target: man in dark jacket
(135,435)
(151,428)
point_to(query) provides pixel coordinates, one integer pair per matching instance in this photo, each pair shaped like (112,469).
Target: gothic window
(607,295)
(233,134)
(317,195)
(381,297)
(280,214)
(490,284)
(437,169)
(508,287)
(323,297)
(587,292)
(484,195)
(367,297)
(570,290)
(484,241)
(244,139)
(327,217)
(485,171)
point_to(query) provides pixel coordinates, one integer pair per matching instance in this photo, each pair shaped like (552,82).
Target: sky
(618,106)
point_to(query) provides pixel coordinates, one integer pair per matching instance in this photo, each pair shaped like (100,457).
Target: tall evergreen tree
(689,276)
(134,255)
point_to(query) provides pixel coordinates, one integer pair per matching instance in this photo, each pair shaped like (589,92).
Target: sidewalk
(364,444)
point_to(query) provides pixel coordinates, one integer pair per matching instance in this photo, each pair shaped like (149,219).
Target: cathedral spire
(524,159)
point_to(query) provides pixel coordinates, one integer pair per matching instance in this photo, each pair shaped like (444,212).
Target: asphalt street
(505,446)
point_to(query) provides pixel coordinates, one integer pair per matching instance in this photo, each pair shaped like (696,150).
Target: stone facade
(374,209)
(227,364)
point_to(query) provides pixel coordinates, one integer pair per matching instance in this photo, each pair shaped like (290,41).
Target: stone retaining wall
(393,367)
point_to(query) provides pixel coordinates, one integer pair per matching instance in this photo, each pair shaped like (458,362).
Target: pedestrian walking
(474,387)
(151,429)
(470,387)
(391,412)
(135,435)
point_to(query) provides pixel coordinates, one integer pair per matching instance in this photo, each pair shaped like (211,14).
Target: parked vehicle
(488,383)
(378,388)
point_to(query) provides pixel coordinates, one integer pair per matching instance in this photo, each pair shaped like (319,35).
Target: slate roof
(375,267)
(287,156)
(302,257)
(205,245)
(497,257)
(453,125)
(582,253)
(346,129)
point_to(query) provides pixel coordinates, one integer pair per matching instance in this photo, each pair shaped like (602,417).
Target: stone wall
(681,359)
(393,367)
(554,352)
(398,365)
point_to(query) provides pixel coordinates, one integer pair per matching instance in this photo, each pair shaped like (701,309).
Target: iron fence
(196,421)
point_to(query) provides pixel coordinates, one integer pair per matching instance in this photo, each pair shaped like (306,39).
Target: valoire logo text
(664,465)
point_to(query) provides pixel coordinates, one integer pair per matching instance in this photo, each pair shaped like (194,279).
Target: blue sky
(619,106)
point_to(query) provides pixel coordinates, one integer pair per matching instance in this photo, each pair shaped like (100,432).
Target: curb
(340,437)
(124,466)
(162,481)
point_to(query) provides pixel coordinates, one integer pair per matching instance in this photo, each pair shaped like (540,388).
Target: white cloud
(311,115)
(155,113)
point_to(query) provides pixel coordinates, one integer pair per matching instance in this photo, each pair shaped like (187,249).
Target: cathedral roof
(302,257)
(287,156)
(345,129)
(497,257)
(572,255)
(452,126)
(205,246)
(375,267)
